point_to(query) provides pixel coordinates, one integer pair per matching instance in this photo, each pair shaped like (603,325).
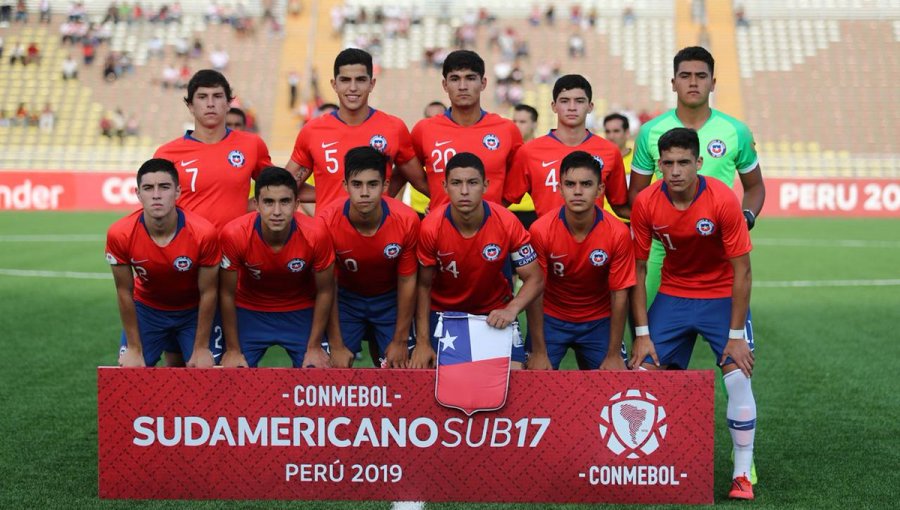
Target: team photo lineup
(231,254)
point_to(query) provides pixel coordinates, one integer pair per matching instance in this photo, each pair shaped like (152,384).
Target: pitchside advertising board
(97,191)
(566,436)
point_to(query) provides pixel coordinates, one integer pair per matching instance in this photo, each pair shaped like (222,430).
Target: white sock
(741,416)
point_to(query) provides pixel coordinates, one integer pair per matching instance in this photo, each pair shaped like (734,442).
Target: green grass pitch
(826,309)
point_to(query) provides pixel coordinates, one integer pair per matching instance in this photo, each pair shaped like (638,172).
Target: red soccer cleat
(741,488)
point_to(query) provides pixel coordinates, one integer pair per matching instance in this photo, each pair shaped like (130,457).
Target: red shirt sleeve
(735,235)
(323,249)
(616,188)
(537,242)
(639,227)
(621,273)
(116,245)
(232,255)
(408,264)
(210,253)
(427,238)
(521,251)
(517,141)
(263,159)
(405,151)
(301,154)
(517,180)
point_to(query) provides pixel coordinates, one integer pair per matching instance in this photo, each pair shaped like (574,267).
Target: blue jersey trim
(189,135)
(552,134)
(487,214)
(257,226)
(336,116)
(700,188)
(447,114)
(597,218)
(385,212)
(179,224)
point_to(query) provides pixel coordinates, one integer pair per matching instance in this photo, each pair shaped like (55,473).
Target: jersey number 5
(331,162)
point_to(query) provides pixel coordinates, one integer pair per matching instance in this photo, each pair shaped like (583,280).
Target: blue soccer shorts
(675,323)
(368,317)
(258,331)
(518,349)
(163,330)
(216,342)
(589,340)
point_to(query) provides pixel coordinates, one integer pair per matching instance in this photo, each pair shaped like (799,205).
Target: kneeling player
(277,280)
(374,238)
(588,264)
(464,251)
(163,261)
(705,284)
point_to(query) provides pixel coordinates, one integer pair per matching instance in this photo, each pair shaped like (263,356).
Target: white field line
(52,238)
(826,243)
(408,505)
(71,275)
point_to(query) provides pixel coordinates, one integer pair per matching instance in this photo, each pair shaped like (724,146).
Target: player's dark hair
(433,103)
(353,56)
(693,53)
(363,158)
(580,159)
(570,82)
(617,116)
(275,176)
(680,138)
(461,60)
(240,113)
(465,160)
(521,107)
(157,165)
(207,78)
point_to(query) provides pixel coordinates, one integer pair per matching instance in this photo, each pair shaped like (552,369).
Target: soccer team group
(205,276)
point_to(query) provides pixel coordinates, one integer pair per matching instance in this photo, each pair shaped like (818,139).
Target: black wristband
(750,217)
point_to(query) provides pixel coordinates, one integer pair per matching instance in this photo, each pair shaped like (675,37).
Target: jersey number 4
(449,268)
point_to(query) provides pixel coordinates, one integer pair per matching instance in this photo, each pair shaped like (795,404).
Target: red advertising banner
(831,197)
(67,191)
(565,436)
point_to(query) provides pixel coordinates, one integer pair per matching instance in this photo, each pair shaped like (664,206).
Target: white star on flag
(447,341)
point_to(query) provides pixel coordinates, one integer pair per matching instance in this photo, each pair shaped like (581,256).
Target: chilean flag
(473,362)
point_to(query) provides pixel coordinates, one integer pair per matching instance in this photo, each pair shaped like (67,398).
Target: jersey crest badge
(705,227)
(491,252)
(183,263)
(378,143)
(296,265)
(716,148)
(236,158)
(392,251)
(598,258)
(491,142)
(524,255)
(598,159)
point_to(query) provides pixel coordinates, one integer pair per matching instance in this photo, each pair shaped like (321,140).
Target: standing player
(705,284)
(465,127)
(374,237)
(323,142)
(163,261)
(588,264)
(215,164)
(525,117)
(727,143)
(464,247)
(617,130)
(417,200)
(535,169)
(276,279)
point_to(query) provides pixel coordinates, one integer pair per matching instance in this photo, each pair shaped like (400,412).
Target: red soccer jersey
(165,277)
(536,171)
(323,142)
(369,265)
(580,275)
(699,241)
(470,270)
(215,177)
(493,139)
(275,282)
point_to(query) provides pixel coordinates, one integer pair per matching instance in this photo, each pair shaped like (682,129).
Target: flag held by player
(473,362)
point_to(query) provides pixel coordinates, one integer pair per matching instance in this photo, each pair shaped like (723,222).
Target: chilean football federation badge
(705,227)
(378,143)
(598,258)
(296,265)
(473,362)
(491,252)
(392,251)
(716,148)
(236,158)
(183,264)
(491,142)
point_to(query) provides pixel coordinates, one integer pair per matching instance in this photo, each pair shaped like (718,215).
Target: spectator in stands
(47,119)
(325,109)
(77,12)
(112,14)
(137,13)
(184,76)
(21,116)
(293,84)
(628,16)
(576,45)
(155,46)
(44,10)
(4,120)
(1,47)
(534,17)
(106,127)
(197,48)
(525,118)
(236,119)
(110,73)
(337,20)
(21,12)
(434,108)
(5,13)
(550,15)
(88,51)
(219,58)
(17,54)
(69,68)
(132,125)
(118,124)
(169,76)
(182,47)
(295,7)
(740,16)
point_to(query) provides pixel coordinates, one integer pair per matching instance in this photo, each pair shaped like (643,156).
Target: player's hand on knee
(316,357)
(613,361)
(423,356)
(396,355)
(131,358)
(234,359)
(642,347)
(341,357)
(201,358)
(538,361)
(739,352)
(501,318)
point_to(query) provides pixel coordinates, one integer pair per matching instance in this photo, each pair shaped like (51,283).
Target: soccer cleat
(741,488)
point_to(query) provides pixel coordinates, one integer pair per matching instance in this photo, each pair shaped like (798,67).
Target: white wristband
(641,330)
(735,334)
